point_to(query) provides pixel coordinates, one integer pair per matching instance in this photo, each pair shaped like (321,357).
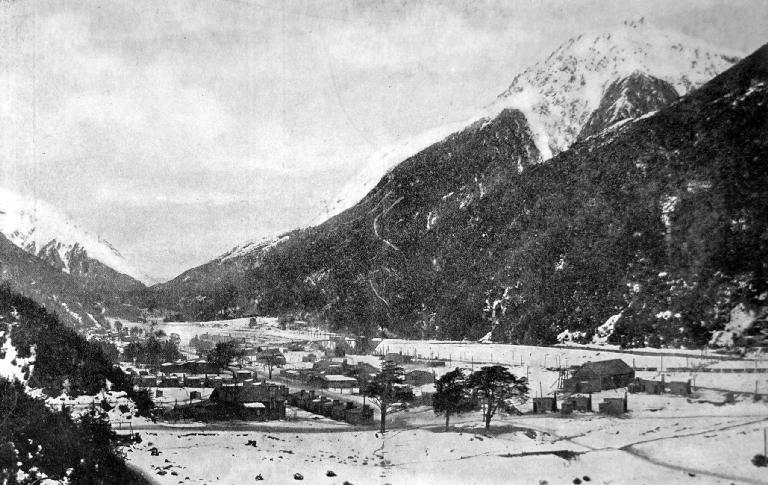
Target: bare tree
(271,360)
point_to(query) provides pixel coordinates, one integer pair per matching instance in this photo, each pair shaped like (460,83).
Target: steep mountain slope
(660,222)
(373,244)
(562,93)
(41,230)
(626,99)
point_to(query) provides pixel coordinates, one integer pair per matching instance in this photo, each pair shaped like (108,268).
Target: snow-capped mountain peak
(40,229)
(562,91)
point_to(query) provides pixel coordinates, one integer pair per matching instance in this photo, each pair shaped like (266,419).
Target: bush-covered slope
(39,443)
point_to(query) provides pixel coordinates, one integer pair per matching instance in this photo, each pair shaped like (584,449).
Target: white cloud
(129,192)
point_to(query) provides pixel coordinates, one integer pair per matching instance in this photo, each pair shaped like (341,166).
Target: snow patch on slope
(259,244)
(604,331)
(741,319)
(11,365)
(39,228)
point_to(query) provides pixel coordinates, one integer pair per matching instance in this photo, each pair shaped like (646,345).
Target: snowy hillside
(42,230)
(561,92)
(260,244)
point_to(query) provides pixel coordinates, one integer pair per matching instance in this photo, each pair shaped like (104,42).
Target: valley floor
(664,439)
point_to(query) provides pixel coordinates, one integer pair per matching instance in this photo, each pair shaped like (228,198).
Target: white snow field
(663,440)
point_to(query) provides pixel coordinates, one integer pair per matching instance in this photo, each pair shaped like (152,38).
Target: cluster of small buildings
(648,386)
(335,409)
(262,400)
(332,374)
(614,374)
(191,373)
(339,374)
(604,375)
(581,403)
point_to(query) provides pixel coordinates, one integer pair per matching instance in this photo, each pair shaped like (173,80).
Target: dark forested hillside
(364,269)
(37,440)
(662,219)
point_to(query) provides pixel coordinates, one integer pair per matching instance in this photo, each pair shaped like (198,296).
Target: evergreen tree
(498,389)
(224,353)
(452,395)
(388,392)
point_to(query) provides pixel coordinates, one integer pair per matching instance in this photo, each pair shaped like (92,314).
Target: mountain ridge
(42,230)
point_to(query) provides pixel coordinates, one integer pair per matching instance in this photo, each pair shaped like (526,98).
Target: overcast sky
(179,129)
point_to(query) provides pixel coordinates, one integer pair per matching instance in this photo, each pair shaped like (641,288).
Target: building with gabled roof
(601,375)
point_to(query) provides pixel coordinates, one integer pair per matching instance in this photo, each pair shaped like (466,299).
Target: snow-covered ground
(664,439)
(559,356)
(266,331)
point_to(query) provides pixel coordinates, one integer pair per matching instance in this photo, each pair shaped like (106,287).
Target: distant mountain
(626,99)
(208,291)
(57,291)
(42,230)
(44,256)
